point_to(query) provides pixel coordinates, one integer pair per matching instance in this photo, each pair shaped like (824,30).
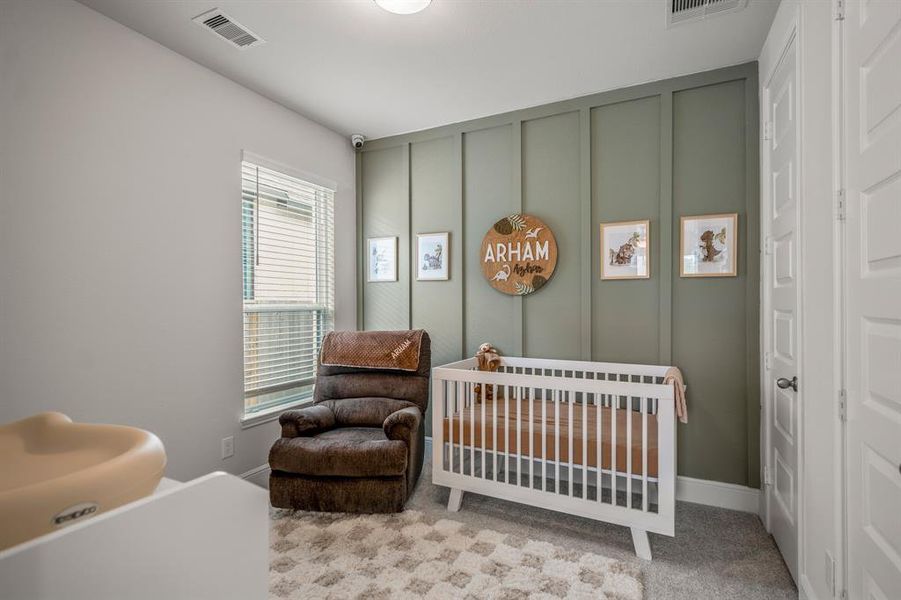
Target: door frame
(789,40)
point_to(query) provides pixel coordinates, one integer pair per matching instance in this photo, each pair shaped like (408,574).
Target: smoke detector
(226,28)
(688,11)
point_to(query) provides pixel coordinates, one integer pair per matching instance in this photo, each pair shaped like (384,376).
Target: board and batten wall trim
(657,151)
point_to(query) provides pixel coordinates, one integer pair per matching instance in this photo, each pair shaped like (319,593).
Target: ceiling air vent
(687,11)
(228,29)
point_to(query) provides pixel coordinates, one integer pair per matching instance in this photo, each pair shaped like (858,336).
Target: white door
(872,96)
(781,285)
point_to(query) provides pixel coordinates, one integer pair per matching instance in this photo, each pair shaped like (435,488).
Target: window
(288,258)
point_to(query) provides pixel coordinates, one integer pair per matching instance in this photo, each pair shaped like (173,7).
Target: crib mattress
(473,426)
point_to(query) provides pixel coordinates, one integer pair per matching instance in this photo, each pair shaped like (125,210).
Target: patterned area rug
(410,555)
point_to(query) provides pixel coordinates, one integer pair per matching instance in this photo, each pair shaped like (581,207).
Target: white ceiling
(356,68)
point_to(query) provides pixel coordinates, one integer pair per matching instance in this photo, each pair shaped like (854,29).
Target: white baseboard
(716,493)
(258,476)
(711,493)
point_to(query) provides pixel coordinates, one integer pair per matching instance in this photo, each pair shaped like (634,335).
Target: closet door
(781,288)
(872,96)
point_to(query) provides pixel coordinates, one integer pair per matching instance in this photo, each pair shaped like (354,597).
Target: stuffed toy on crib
(489,359)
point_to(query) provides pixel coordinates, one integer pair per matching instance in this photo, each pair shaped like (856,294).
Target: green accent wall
(386,181)
(489,162)
(435,207)
(552,318)
(658,151)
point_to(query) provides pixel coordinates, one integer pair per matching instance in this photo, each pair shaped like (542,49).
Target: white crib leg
(455,500)
(642,545)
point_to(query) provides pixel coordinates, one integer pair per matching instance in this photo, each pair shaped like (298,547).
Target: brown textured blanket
(397,350)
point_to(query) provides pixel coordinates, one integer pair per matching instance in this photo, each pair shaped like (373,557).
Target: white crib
(592,439)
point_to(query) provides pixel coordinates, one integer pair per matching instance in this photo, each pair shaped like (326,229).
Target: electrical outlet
(228,446)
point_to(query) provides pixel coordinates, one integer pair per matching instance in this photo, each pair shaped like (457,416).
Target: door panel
(872,96)
(784,265)
(784,486)
(781,304)
(784,414)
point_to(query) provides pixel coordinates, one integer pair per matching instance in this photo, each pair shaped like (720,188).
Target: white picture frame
(381,262)
(433,256)
(709,245)
(625,250)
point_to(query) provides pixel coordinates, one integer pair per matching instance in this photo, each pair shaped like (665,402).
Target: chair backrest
(337,383)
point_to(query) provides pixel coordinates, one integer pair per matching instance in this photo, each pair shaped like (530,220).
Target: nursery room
(441,299)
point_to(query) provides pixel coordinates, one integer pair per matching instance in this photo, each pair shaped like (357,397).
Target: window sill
(265,416)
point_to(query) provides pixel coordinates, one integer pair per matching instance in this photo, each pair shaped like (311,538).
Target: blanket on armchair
(394,350)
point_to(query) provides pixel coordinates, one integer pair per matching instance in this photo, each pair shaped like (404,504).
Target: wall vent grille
(228,29)
(687,11)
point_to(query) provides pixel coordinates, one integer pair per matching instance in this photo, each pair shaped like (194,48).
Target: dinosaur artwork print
(708,250)
(624,255)
(432,262)
(432,252)
(709,246)
(625,250)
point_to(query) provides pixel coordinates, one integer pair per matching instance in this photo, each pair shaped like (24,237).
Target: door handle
(784,383)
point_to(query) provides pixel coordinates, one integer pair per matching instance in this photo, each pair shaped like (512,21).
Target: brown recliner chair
(359,447)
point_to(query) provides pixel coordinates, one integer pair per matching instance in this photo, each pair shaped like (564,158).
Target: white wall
(821,450)
(120,230)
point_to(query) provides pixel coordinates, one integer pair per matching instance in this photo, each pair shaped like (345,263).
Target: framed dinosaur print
(709,246)
(625,251)
(433,254)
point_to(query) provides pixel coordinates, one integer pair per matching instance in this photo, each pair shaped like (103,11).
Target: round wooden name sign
(519,255)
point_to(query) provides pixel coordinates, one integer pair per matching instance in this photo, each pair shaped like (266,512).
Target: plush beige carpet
(415,555)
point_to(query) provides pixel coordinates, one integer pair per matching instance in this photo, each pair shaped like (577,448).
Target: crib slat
(584,446)
(556,441)
(614,401)
(531,451)
(544,440)
(519,401)
(629,452)
(449,442)
(599,406)
(506,434)
(483,390)
(450,388)
(644,455)
(570,426)
(461,409)
(450,403)
(494,442)
(439,444)
(470,396)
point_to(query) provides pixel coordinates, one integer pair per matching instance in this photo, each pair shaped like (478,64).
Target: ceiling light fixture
(403,7)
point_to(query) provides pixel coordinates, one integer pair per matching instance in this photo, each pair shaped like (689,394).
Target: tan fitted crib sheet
(473,426)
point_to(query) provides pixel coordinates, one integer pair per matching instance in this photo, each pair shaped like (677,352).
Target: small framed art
(625,250)
(433,256)
(709,246)
(382,264)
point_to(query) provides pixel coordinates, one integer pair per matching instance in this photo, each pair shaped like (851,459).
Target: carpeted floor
(717,554)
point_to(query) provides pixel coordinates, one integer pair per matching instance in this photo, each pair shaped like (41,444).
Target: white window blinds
(288,257)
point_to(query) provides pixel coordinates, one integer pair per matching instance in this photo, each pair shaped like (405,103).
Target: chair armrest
(403,424)
(306,421)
